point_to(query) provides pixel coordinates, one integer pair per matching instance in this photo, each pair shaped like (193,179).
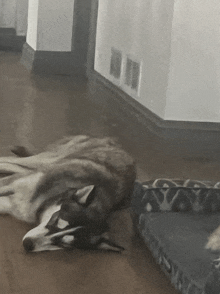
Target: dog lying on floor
(69,190)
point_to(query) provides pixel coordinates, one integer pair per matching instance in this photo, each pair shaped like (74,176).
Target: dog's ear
(85,195)
(106,244)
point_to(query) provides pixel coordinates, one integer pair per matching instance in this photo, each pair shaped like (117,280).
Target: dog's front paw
(214,241)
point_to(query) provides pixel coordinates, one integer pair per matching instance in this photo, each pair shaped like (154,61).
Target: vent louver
(116,61)
(132,74)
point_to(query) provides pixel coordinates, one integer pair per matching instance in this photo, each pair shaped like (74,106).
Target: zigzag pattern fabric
(181,195)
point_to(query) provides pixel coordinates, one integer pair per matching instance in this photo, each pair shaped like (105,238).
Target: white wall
(55,25)
(7,13)
(142,29)
(194,81)
(13,14)
(50,25)
(21,17)
(178,44)
(32,23)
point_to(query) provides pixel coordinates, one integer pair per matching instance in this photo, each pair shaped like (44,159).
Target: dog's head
(69,225)
(46,238)
(67,219)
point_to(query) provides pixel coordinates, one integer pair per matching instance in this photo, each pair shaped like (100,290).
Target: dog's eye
(52,230)
(52,224)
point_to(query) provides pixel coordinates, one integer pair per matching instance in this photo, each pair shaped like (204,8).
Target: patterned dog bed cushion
(175,218)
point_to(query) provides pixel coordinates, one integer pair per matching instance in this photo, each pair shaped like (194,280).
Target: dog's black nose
(28,244)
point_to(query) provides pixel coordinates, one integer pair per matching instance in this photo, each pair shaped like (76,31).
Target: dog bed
(175,219)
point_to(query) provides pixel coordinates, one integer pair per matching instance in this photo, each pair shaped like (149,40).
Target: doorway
(84,35)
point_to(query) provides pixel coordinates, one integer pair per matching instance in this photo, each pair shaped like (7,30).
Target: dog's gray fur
(70,189)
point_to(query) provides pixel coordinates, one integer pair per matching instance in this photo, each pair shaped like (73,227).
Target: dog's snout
(28,244)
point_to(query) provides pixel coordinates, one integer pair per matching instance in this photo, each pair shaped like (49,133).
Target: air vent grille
(132,74)
(116,61)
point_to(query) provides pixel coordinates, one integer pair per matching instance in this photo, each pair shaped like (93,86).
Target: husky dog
(69,191)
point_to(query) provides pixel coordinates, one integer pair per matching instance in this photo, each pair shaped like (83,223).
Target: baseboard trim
(50,62)
(183,130)
(9,41)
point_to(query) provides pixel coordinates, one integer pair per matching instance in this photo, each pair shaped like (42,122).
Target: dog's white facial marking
(38,232)
(68,239)
(148,207)
(106,246)
(39,235)
(42,241)
(62,223)
(49,212)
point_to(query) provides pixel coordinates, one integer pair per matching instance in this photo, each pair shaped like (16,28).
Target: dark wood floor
(35,111)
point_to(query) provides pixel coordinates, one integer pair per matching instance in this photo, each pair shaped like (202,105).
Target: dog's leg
(5,205)
(11,168)
(31,162)
(6,191)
